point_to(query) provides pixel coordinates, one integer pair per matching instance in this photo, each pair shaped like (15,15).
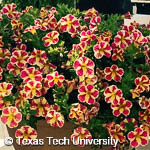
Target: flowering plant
(76,66)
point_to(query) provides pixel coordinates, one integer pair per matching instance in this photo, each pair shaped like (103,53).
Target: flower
(94,22)
(78,111)
(4,54)
(55,119)
(41,24)
(17,36)
(102,49)
(138,137)
(91,13)
(144,102)
(122,39)
(11,116)
(71,85)
(69,24)
(25,132)
(16,24)
(4,103)
(80,133)
(14,69)
(138,38)
(21,99)
(88,94)
(142,83)
(55,78)
(1,42)
(117,53)
(84,66)
(52,22)
(113,73)
(38,57)
(47,67)
(51,38)
(112,94)
(30,74)
(19,58)
(9,10)
(5,89)
(31,29)
(122,107)
(41,106)
(19,47)
(146,127)
(135,93)
(145,115)
(116,132)
(87,36)
(55,107)
(1,71)
(33,88)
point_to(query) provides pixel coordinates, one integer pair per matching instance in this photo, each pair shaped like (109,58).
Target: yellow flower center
(31,76)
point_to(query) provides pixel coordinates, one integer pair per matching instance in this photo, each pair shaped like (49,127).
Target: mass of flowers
(72,66)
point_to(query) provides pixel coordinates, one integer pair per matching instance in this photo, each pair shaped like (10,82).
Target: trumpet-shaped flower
(14,69)
(145,116)
(4,53)
(113,73)
(25,132)
(138,137)
(41,106)
(38,57)
(122,39)
(142,83)
(80,133)
(102,49)
(31,74)
(122,107)
(69,24)
(51,38)
(11,116)
(33,88)
(19,58)
(87,94)
(87,36)
(55,119)
(5,89)
(112,94)
(84,66)
(55,78)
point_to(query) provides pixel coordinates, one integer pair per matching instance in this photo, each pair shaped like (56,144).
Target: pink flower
(38,57)
(80,133)
(138,137)
(122,39)
(55,78)
(4,53)
(32,89)
(14,69)
(112,94)
(88,94)
(5,89)
(19,47)
(91,13)
(144,102)
(41,106)
(55,119)
(102,49)
(25,132)
(122,107)
(84,66)
(31,29)
(69,24)
(11,116)
(19,58)
(113,73)
(142,83)
(94,22)
(51,38)
(87,36)
(145,115)
(31,74)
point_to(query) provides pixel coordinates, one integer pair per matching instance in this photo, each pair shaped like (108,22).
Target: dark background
(112,6)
